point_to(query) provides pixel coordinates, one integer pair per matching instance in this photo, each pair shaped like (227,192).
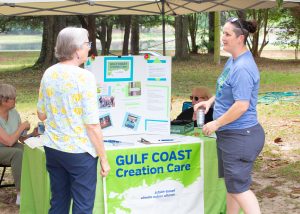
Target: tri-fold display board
(134,93)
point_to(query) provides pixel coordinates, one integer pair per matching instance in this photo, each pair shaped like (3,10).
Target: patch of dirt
(275,194)
(8,196)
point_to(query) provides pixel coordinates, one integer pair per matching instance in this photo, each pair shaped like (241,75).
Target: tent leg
(163,27)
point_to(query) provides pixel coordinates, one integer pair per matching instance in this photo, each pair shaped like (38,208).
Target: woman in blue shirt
(240,138)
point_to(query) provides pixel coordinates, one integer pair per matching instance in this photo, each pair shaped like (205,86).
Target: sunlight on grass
(15,61)
(4,39)
(288,109)
(275,81)
(290,172)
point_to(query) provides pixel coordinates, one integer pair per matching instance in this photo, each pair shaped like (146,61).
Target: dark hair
(243,27)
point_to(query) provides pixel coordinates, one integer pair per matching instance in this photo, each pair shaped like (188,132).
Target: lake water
(115,45)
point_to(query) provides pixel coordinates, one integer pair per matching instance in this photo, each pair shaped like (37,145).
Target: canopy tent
(133,7)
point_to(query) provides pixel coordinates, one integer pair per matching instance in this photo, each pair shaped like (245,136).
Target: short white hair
(68,41)
(7,91)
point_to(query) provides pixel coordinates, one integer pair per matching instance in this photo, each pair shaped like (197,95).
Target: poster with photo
(106,101)
(105,121)
(131,121)
(134,94)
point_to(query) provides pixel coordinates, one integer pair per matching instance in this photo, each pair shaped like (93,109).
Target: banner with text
(155,179)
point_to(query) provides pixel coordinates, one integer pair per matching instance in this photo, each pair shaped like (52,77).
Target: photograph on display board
(106,101)
(105,121)
(131,121)
(104,89)
(134,88)
(118,69)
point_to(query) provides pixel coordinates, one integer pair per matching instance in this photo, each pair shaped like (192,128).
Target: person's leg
(247,201)
(239,156)
(83,183)
(13,156)
(59,182)
(233,206)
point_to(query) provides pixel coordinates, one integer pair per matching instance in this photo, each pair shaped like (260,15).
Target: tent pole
(217,28)
(163,27)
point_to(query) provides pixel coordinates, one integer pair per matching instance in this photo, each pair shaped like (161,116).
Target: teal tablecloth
(35,184)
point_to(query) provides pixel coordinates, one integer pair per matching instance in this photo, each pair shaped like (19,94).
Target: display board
(134,93)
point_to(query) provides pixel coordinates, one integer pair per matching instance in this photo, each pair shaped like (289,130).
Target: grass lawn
(276,75)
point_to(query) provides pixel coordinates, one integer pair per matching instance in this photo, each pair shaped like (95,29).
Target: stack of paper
(34,142)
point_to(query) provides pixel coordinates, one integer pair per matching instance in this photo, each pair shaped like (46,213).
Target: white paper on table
(34,142)
(157,139)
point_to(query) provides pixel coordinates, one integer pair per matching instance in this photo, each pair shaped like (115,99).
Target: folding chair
(3,166)
(186,105)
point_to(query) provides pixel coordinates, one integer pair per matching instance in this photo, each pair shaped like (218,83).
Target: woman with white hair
(73,137)
(11,129)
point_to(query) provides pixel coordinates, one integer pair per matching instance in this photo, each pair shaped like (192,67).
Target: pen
(166,140)
(112,141)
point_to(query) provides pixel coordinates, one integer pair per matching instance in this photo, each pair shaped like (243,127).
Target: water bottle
(200,117)
(41,128)
(24,133)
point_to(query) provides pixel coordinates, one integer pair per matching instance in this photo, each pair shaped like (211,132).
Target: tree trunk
(43,52)
(181,33)
(295,11)
(104,34)
(135,36)
(211,32)
(261,17)
(89,23)
(193,28)
(126,35)
(108,38)
(255,39)
(92,34)
(52,26)
(241,14)
(297,46)
(265,24)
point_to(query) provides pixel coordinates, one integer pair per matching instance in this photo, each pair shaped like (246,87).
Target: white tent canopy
(134,7)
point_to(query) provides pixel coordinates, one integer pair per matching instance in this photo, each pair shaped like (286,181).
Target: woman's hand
(105,168)
(25,126)
(35,132)
(204,104)
(210,127)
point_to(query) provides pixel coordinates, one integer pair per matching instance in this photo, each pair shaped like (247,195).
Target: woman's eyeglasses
(194,97)
(89,44)
(10,98)
(233,20)
(198,98)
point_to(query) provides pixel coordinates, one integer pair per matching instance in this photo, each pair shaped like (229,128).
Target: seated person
(198,94)
(11,129)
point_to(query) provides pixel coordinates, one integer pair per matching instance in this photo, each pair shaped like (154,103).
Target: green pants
(13,156)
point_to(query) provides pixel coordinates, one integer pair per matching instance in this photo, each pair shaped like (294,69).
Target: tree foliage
(266,20)
(17,24)
(289,29)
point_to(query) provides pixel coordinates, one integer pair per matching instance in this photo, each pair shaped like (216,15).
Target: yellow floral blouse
(68,96)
